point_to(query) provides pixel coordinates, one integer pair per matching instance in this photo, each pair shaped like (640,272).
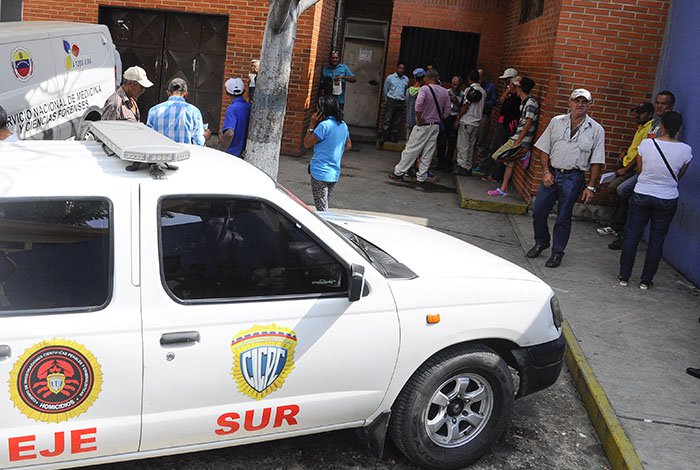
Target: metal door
(364,55)
(169,44)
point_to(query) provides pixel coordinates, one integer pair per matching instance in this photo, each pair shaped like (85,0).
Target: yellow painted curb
(618,448)
(392,146)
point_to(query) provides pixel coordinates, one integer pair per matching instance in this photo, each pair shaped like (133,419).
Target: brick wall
(484,17)
(609,48)
(246,27)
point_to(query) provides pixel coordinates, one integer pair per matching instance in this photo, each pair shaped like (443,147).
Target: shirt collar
(176,98)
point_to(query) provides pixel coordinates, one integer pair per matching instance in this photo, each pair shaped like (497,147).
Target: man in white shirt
(571,145)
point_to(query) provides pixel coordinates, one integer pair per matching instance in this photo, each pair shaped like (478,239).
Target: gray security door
(363,52)
(169,44)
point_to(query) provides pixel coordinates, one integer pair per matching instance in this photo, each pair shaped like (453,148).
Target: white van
(55,76)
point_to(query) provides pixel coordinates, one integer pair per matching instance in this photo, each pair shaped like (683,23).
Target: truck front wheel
(453,408)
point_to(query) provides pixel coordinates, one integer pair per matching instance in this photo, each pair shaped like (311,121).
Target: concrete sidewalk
(637,342)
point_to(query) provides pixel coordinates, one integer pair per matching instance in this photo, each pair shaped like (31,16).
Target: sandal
(496,192)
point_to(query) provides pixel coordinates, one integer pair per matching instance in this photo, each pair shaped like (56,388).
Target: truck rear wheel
(453,408)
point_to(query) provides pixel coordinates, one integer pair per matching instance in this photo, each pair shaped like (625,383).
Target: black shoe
(553,261)
(396,177)
(615,244)
(693,372)
(462,171)
(536,250)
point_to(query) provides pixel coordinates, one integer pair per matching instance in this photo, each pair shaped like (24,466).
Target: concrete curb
(619,449)
(493,204)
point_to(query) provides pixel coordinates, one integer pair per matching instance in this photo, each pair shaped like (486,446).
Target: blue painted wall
(679,71)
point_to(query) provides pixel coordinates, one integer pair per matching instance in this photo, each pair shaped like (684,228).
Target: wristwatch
(591,188)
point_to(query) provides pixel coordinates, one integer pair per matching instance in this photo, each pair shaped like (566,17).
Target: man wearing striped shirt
(177,119)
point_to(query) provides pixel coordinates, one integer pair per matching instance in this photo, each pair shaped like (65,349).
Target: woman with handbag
(661,163)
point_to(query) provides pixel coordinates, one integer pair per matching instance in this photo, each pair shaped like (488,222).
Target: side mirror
(357,282)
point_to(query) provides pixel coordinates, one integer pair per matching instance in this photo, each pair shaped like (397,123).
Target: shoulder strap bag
(670,170)
(437,105)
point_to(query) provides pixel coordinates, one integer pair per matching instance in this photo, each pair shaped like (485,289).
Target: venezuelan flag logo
(22,64)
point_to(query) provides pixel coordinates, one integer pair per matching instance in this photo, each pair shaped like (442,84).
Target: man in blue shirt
(235,128)
(339,73)
(395,95)
(177,119)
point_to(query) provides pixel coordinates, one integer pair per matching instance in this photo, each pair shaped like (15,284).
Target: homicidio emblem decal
(55,380)
(263,357)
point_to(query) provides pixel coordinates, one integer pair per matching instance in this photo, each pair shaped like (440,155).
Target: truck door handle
(5,351)
(183,338)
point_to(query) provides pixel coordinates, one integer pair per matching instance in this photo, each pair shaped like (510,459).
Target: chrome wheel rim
(458,410)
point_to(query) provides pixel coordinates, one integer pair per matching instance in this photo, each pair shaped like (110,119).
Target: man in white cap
(121,106)
(235,127)
(571,145)
(177,119)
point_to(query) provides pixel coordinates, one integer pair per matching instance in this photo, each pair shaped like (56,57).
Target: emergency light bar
(136,142)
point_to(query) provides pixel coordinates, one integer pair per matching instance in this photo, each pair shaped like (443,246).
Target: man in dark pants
(395,97)
(571,144)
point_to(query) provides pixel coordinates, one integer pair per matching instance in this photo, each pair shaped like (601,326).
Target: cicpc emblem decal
(22,64)
(263,357)
(55,380)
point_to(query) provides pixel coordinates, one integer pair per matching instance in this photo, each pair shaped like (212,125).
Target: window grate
(450,52)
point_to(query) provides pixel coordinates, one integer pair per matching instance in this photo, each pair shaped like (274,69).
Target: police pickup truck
(164,311)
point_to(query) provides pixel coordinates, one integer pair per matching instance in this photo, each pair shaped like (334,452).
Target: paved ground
(549,430)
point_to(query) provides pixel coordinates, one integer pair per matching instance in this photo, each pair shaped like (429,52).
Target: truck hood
(428,252)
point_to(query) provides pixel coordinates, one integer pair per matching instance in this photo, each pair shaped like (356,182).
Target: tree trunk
(270,105)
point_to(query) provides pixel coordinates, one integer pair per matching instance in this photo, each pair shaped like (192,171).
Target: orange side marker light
(433,318)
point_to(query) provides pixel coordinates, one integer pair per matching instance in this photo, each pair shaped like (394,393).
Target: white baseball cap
(509,73)
(581,92)
(235,86)
(137,74)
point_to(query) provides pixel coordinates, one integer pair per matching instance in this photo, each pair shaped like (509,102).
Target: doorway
(363,53)
(171,44)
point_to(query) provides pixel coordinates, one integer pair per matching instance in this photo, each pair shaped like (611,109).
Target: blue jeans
(642,209)
(566,190)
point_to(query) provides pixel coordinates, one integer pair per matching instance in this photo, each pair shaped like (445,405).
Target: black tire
(426,399)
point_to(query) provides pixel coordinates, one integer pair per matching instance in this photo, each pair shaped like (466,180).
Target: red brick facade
(611,48)
(246,26)
(473,16)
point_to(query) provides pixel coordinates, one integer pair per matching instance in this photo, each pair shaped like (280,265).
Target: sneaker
(646,285)
(622,282)
(615,244)
(607,231)
(395,177)
(496,192)
(478,171)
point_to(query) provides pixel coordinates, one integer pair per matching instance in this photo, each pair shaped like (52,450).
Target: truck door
(248,330)
(70,348)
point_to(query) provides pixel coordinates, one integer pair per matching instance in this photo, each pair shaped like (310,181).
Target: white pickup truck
(146,316)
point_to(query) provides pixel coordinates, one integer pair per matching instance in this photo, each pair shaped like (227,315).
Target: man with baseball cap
(509,74)
(571,145)
(235,127)
(177,119)
(121,106)
(644,114)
